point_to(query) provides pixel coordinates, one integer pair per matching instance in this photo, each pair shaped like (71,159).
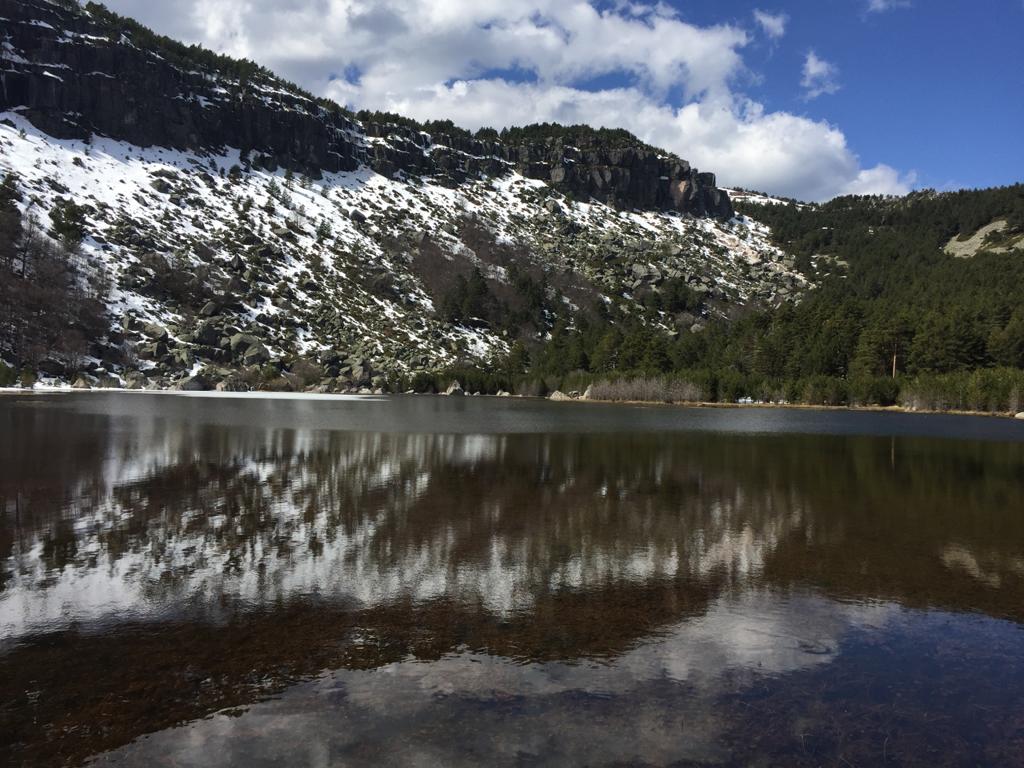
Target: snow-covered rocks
(236,249)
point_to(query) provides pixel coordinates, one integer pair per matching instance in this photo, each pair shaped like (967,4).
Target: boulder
(256,355)
(197,383)
(156,332)
(153,351)
(361,374)
(183,358)
(208,334)
(1020,416)
(455,390)
(204,251)
(83,382)
(134,380)
(240,342)
(559,396)
(503,393)
(588,393)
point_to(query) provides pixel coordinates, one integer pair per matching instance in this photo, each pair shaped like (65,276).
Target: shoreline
(897,409)
(255,394)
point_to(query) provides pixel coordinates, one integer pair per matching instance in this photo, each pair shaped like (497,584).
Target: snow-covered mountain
(241,222)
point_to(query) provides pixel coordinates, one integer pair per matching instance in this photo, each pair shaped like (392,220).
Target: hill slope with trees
(894,318)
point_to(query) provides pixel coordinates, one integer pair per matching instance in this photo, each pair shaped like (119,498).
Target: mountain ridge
(118,89)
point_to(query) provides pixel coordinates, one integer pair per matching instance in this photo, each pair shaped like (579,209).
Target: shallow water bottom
(762,679)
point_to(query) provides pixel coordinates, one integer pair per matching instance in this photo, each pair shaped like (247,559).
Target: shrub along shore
(997,391)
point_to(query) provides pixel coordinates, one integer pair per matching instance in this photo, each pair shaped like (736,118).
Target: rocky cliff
(75,72)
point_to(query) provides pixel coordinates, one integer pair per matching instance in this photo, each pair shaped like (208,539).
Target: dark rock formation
(74,73)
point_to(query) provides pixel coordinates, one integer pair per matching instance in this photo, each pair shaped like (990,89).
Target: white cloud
(820,77)
(880,6)
(509,62)
(881,179)
(772,24)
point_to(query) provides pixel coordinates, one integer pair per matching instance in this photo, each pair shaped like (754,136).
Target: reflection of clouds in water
(983,567)
(168,536)
(192,561)
(348,570)
(656,701)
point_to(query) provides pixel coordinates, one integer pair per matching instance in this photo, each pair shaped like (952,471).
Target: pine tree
(68,222)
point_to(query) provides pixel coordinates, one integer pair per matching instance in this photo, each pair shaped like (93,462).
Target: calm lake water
(200,581)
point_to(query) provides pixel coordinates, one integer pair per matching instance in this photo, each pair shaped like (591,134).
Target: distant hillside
(889,299)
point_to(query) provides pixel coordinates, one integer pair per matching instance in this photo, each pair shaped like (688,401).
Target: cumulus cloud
(820,77)
(772,24)
(497,63)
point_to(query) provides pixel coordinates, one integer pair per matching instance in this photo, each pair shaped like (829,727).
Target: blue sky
(935,87)
(801,98)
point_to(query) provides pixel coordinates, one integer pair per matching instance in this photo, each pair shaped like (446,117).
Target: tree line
(893,319)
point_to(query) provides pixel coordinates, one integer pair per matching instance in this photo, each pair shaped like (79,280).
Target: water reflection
(158,567)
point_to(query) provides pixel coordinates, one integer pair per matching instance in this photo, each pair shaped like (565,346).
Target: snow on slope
(757,198)
(336,264)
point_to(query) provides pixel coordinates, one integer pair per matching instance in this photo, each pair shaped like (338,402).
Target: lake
(250,581)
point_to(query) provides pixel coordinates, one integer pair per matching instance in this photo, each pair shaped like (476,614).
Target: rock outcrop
(74,73)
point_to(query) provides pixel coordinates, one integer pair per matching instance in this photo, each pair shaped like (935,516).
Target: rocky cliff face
(73,73)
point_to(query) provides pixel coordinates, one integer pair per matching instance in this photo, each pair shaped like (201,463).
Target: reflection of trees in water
(44,470)
(926,523)
(203,517)
(371,518)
